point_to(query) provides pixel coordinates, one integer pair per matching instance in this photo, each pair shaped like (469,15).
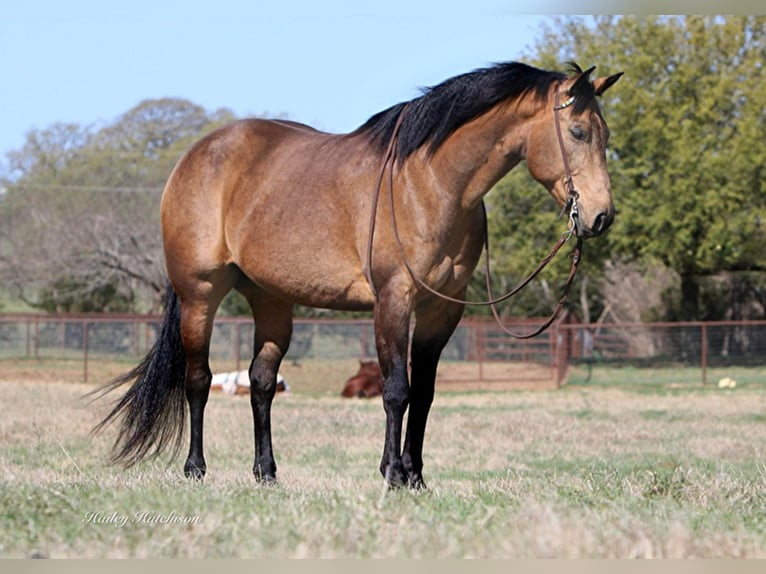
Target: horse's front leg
(392,318)
(435,322)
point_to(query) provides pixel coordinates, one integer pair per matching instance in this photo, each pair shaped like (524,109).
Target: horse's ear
(580,83)
(600,85)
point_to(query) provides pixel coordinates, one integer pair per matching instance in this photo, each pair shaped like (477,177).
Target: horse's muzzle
(601,223)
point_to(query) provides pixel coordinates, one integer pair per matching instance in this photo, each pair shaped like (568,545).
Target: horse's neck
(478,155)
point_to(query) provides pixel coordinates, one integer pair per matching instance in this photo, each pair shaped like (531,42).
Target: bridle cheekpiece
(572,195)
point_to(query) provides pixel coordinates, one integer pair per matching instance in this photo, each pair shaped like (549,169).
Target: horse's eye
(578,133)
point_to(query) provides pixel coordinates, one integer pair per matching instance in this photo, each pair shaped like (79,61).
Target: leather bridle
(570,205)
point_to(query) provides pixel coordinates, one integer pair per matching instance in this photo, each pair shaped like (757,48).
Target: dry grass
(578,472)
(317,376)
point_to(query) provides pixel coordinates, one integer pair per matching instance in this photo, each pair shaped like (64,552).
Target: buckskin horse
(286,215)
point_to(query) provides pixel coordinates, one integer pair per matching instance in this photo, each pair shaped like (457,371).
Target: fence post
(37,338)
(363,339)
(85,349)
(237,341)
(482,336)
(703,343)
(136,330)
(557,355)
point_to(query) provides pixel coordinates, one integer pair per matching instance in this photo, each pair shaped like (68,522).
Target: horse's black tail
(153,409)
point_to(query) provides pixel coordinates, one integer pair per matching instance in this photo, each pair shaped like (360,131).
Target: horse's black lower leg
(395,401)
(391,338)
(196,328)
(421,397)
(272,338)
(434,326)
(197,390)
(199,302)
(263,385)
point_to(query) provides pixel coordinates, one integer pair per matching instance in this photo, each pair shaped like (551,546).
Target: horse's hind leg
(434,324)
(274,324)
(199,302)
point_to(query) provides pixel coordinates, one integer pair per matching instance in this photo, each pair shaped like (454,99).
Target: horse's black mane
(442,109)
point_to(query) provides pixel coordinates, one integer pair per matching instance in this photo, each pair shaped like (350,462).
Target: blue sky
(329,63)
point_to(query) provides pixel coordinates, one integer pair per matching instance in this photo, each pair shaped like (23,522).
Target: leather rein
(570,206)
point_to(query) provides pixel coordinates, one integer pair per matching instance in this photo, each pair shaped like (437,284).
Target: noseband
(570,205)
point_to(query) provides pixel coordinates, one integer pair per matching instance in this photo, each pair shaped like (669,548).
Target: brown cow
(367,383)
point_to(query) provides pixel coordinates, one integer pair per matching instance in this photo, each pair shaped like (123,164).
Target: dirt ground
(497,376)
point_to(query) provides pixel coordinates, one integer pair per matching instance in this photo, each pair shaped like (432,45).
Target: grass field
(585,471)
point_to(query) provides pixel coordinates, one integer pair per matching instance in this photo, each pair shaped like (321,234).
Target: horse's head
(569,140)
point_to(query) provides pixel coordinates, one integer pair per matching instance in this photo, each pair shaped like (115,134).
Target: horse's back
(262,195)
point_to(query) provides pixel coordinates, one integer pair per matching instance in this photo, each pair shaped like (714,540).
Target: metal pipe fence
(684,352)
(478,354)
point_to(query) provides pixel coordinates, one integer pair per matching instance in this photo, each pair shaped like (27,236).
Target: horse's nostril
(602,223)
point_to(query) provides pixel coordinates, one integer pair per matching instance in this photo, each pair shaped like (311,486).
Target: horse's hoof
(265,478)
(194,472)
(395,476)
(416,482)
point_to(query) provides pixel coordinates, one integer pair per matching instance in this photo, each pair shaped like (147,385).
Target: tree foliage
(686,155)
(80,216)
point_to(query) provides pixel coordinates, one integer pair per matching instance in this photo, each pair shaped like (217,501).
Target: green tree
(687,150)
(80,216)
